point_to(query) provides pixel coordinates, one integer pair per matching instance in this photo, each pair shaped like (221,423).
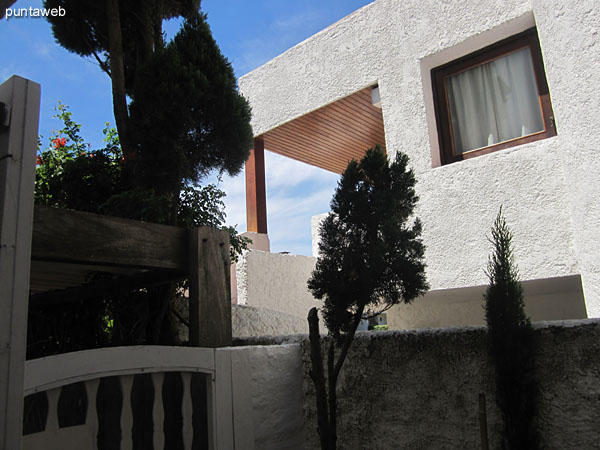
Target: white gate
(209,367)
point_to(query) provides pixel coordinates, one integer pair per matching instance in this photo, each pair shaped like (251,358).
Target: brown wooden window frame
(439,75)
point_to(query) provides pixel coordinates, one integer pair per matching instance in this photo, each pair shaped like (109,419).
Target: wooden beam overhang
(256,196)
(331,136)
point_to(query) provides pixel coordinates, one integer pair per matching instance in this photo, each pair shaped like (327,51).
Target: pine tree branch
(348,341)
(103,65)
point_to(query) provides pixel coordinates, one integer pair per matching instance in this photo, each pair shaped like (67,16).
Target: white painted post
(211,401)
(19,117)
(223,406)
(52,418)
(158,412)
(91,416)
(126,413)
(187,410)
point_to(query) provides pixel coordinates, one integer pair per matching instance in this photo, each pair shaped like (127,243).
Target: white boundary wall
(276,281)
(549,189)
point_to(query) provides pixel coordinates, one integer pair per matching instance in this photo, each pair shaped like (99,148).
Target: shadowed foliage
(178,112)
(179,115)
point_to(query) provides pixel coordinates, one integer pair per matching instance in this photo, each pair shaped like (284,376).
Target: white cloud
(296,25)
(285,172)
(295,193)
(7,71)
(44,48)
(280,35)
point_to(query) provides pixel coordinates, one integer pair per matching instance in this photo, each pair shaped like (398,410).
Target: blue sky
(249,34)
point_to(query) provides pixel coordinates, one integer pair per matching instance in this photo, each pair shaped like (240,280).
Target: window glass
(494,102)
(492,99)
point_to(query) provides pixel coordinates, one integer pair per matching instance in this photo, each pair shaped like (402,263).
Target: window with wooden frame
(492,99)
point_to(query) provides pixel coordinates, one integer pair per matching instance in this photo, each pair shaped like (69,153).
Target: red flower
(59,142)
(39,160)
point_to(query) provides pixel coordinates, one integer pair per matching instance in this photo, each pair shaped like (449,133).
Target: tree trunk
(160,297)
(145,39)
(332,381)
(318,376)
(117,75)
(327,396)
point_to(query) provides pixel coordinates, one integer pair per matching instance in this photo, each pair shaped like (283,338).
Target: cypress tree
(510,338)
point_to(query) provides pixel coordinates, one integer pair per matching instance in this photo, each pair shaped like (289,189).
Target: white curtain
(494,102)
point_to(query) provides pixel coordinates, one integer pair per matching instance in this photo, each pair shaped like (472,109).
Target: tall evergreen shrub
(510,337)
(371,257)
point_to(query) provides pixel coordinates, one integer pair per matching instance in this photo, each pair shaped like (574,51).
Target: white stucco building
(313,103)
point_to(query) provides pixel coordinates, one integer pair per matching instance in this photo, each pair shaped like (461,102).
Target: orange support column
(256,197)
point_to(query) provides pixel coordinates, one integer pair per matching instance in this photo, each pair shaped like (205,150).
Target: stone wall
(419,389)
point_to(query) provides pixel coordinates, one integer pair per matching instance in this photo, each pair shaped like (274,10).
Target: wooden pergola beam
(210,295)
(86,238)
(168,253)
(256,197)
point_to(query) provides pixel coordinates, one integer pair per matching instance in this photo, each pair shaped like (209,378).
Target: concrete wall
(570,33)
(250,321)
(315,224)
(548,188)
(276,281)
(419,390)
(558,298)
(267,397)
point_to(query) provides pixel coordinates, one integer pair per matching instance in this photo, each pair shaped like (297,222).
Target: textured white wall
(548,188)
(276,281)
(250,321)
(267,397)
(315,224)
(545,299)
(570,39)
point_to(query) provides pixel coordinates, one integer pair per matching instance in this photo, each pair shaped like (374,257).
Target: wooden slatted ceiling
(330,136)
